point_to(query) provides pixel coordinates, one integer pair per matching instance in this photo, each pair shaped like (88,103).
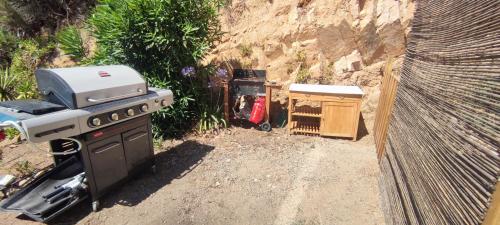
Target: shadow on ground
(362,130)
(172,164)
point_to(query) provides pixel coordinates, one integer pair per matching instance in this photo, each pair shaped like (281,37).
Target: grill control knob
(130,112)
(144,108)
(96,122)
(114,116)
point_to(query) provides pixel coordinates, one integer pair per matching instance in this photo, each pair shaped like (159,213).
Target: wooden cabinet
(337,110)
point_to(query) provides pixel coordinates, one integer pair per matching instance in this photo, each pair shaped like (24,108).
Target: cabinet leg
(290,103)
(269,96)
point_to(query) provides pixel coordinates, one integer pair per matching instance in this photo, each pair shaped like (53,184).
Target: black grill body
(108,157)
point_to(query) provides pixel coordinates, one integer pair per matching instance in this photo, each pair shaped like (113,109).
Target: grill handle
(106,148)
(115,97)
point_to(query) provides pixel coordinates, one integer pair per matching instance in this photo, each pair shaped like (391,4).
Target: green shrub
(301,57)
(29,18)
(29,55)
(24,168)
(7,47)
(8,82)
(109,27)
(11,133)
(26,88)
(211,117)
(211,112)
(245,50)
(159,38)
(71,42)
(303,76)
(17,79)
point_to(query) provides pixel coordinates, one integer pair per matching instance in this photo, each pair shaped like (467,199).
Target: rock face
(325,41)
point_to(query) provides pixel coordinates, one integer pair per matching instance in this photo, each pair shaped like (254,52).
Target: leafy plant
(11,133)
(158,143)
(28,18)
(211,114)
(7,47)
(26,89)
(8,82)
(245,50)
(71,42)
(29,55)
(17,79)
(24,168)
(211,118)
(303,76)
(159,38)
(301,56)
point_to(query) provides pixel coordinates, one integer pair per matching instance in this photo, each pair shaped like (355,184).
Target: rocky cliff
(343,42)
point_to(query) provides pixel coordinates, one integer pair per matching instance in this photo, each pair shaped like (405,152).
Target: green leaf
(71,42)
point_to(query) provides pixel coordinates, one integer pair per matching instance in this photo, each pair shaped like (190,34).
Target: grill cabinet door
(137,146)
(108,162)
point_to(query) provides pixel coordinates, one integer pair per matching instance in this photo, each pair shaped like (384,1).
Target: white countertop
(329,89)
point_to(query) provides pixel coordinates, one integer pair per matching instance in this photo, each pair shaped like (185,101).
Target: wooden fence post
(384,110)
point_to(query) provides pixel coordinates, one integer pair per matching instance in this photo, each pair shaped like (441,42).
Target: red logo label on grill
(98,134)
(104,74)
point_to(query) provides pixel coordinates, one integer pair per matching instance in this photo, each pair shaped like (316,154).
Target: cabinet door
(137,146)
(339,119)
(108,162)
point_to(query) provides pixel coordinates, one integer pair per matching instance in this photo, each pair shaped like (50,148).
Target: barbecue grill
(97,122)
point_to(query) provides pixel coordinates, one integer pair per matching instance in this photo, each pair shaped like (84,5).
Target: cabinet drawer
(108,162)
(137,146)
(324,97)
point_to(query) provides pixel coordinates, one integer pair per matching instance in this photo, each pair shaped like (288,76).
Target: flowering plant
(221,72)
(188,71)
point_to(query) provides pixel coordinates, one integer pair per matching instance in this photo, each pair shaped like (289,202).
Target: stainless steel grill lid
(81,87)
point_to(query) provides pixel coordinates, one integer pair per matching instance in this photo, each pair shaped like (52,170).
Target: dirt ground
(241,176)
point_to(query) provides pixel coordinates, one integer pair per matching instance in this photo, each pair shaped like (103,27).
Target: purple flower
(188,71)
(221,72)
(212,84)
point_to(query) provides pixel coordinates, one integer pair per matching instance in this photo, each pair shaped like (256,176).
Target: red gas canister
(2,135)
(258,110)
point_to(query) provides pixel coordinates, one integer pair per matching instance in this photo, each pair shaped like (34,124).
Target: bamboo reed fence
(441,160)
(388,90)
